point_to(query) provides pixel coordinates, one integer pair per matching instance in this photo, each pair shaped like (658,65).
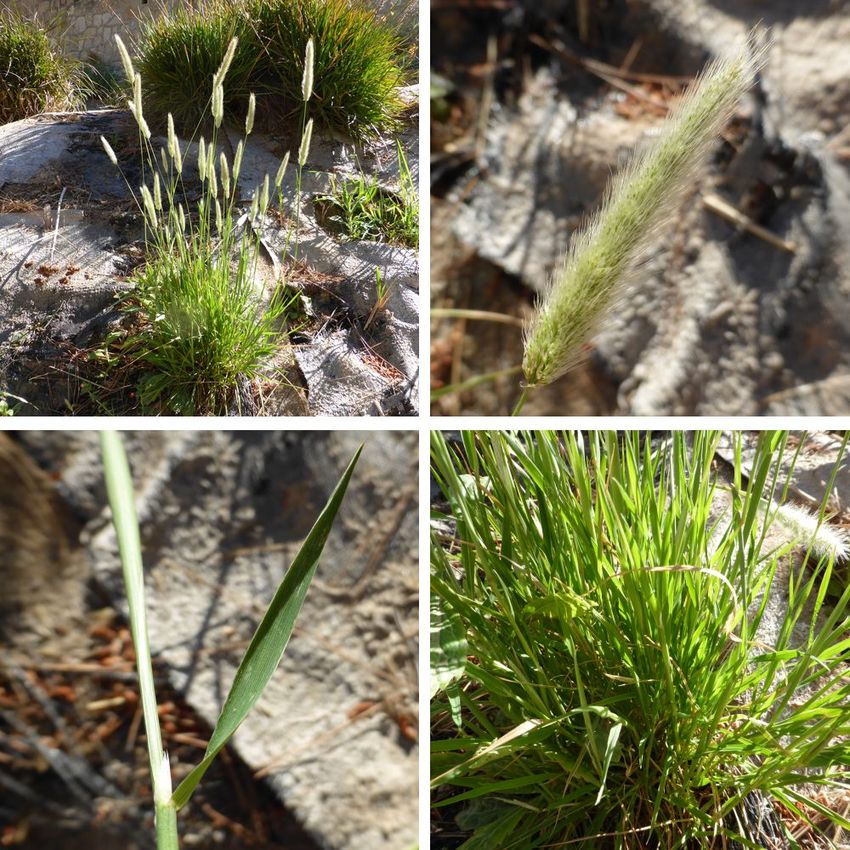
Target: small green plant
(382,297)
(261,658)
(358,63)
(7,408)
(600,674)
(204,318)
(362,209)
(34,78)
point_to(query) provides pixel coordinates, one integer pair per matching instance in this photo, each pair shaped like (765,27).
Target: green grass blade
(119,489)
(266,648)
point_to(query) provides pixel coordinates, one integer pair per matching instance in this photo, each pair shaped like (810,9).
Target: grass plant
(205,318)
(358,64)
(602,671)
(362,209)
(178,54)
(261,658)
(34,77)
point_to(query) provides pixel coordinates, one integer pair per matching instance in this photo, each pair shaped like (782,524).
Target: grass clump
(34,78)
(206,320)
(602,675)
(178,54)
(358,64)
(361,209)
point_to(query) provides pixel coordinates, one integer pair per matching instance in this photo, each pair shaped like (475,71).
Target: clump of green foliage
(178,54)
(361,209)
(359,64)
(600,675)
(34,77)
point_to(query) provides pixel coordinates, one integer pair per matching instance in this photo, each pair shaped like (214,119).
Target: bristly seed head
(278,180)
(638,202)
(221,73)
(304,149)
(125,59)
(109,152)
(249,118)
(307,78)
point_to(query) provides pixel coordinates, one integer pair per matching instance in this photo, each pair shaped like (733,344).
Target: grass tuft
(604,677)
(205,322)
(357,64)
(178,54)
(34,78)
(361,209)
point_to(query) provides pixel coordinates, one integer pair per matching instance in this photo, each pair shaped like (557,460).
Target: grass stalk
(260,660)
(119,488)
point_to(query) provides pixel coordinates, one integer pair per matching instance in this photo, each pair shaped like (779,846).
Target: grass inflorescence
(638,202)
(603,674)
(34,77)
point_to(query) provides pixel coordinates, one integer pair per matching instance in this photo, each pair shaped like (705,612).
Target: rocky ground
(61,271)
(742,308)
(327,759)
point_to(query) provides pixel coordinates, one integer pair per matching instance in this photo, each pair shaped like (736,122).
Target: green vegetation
(261,658)
(358,70)
(361,209)
(603,674)
(178,54)
(205,318)
(34,78)
(358,64)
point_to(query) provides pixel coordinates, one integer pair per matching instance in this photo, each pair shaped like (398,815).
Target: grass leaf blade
(269,642)
(119,488)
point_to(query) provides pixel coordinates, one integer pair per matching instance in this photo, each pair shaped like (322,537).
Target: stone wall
(85,28)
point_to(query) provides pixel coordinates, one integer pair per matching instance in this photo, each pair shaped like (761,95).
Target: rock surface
(59,276)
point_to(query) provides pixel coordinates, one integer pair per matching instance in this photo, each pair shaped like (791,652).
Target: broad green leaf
(266,648)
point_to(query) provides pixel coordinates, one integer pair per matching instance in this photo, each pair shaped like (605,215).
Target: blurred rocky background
(742,308)
(328,758)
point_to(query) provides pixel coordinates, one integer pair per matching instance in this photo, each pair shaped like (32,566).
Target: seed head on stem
(638,202)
